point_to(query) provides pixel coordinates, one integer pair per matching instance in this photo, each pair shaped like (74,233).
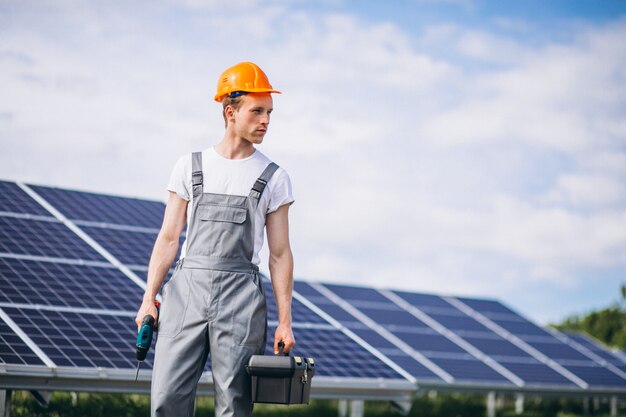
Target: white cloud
(587,191)
(491,48)
(474,171)
(561,96)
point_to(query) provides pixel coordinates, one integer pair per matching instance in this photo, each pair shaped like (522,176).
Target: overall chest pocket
(227,214)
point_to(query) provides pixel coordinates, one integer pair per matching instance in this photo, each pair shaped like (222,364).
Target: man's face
(253,117)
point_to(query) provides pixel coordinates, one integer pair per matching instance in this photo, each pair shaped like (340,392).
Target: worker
(214,302)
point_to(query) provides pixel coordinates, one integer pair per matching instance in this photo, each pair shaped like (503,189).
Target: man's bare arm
(281,271)
(163,253)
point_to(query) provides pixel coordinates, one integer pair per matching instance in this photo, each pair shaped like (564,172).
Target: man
(215,302)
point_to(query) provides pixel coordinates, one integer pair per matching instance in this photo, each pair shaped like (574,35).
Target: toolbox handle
(281,345)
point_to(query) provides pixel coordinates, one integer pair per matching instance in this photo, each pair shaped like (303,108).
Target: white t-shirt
(233,177)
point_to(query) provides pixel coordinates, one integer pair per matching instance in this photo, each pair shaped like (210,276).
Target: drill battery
(281,379)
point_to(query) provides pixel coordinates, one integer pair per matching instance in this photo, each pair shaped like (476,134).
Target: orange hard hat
(244,77)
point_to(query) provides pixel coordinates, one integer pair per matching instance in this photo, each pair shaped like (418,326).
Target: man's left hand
(284,334)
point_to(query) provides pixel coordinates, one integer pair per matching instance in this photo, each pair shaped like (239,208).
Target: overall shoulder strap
(261,182)
(196,173)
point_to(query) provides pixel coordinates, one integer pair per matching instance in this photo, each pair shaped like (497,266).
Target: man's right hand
(147,307)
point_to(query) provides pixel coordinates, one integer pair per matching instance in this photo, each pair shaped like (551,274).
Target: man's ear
(229,113)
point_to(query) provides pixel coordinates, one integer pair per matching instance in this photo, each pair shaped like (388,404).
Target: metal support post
(343,408)
(5,402)
(356,408)
(519,404)
(491,404)
(614,406)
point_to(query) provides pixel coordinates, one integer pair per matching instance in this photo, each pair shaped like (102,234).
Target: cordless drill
(144,337)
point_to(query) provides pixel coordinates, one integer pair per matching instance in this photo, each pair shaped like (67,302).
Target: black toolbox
(281,379)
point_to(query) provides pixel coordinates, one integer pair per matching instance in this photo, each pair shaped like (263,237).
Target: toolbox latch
(305,377)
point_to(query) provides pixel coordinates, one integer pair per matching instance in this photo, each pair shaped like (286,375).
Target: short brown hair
(235,103)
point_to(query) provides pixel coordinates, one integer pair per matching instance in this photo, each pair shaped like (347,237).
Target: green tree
(607,325)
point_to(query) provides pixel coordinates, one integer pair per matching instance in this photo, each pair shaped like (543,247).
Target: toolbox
(281,379)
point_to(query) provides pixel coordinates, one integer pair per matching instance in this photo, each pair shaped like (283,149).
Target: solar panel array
(71,271)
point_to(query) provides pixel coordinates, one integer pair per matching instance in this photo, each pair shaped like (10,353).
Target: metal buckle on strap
(196,178)
(259,185)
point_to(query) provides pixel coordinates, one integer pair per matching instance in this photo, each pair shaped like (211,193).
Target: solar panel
(43,238)
(572,359)
(426,302)
(68,285)
(79,310)
(429,343)
(326,305)
(129,247)
(597,375)
(471,370)
(535,372)
(79,205)
(486,340)
(558,350)
(336,355)
(15,200)
(489,308)
(373,338)
(440,350)
(522,327)
(300,313)
(413,367)
(393,315)
(355,294)
(460,323)
(80,339)
(13,350)
(597,348)
(496,346)
(132,248)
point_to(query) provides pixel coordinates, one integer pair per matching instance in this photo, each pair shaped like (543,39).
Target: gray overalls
(214,303)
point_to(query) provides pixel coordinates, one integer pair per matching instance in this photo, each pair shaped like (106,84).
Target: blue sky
(453,147)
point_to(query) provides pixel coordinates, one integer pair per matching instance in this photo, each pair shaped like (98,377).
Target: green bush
(83,404)
(64,404)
